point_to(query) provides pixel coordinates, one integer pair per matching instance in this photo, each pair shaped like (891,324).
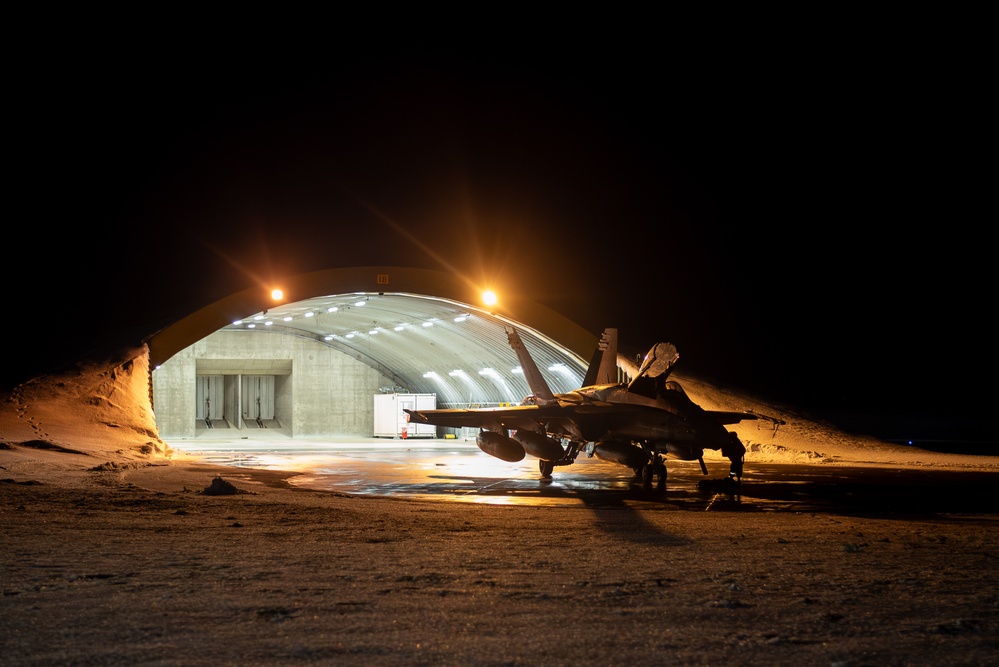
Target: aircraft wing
(734,417)
(519,416)
(593,419)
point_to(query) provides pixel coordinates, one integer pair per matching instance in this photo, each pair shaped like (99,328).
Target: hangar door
(258,398)
(210,399)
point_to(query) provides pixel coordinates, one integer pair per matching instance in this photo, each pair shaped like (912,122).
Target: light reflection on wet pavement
(457,471)
(442,470)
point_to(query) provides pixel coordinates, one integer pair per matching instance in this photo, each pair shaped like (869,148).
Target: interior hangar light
(459,373)
(498,379)
(489,297)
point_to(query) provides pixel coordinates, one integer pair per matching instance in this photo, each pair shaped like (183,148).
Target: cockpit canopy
(656,367)
(659,361)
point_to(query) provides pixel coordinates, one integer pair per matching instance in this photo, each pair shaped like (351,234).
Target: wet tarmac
(457,471)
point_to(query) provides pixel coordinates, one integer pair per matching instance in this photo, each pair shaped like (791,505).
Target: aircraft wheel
(546,468)
(647,472)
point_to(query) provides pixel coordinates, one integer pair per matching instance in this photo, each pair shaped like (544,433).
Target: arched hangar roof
(426,330)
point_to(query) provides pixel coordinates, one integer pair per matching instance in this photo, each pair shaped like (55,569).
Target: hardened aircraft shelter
(314,362)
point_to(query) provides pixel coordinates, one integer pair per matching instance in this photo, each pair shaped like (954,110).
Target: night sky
(800,217)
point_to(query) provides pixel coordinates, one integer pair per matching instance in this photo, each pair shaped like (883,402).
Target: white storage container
(390,420)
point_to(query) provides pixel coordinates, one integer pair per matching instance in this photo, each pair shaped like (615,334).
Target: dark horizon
(802,229)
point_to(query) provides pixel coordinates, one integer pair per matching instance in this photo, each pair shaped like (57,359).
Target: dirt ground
(112,553)
(139,565)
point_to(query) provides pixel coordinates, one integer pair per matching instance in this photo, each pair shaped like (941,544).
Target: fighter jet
(637,424)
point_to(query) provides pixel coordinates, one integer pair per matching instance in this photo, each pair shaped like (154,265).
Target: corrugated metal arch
(427,330)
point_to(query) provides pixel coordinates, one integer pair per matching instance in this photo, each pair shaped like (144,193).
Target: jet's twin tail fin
(603,365)
(542,392)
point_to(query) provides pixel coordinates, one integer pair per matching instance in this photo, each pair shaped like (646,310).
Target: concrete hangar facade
(311,363)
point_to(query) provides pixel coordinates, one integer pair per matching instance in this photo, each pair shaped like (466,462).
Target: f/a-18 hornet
(637,424)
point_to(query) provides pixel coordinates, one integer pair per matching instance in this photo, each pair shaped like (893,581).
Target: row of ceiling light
(490,373)
(493,375)
(263,319)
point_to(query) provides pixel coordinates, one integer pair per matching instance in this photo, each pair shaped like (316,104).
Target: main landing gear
(655,469)
(547,467)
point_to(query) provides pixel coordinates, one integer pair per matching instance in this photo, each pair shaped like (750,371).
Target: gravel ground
(187,564)
(114,550)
